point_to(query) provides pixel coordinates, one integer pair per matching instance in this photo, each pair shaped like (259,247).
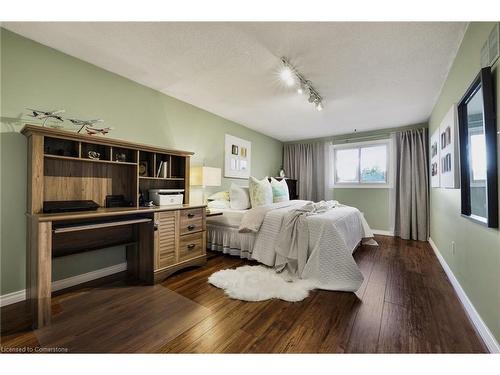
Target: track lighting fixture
(291,76)
(287,76)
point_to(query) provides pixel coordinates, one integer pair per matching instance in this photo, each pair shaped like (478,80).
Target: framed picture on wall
(237,157)
(449,171)
(435,164)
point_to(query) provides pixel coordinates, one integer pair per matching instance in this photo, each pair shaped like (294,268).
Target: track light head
(291,76)
(287,76)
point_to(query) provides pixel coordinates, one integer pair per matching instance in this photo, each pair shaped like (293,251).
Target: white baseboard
(474,316)
(14,297)
(383,232)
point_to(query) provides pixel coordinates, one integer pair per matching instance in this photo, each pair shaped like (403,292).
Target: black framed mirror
(478,151)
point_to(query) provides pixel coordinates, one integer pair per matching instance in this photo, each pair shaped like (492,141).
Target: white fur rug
(259,283)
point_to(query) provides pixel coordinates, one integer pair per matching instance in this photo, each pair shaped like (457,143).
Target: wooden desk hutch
(158,240)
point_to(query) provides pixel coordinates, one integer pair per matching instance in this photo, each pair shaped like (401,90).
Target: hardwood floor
(405,305)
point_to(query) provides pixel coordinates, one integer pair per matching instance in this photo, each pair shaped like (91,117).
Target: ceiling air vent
(491,47)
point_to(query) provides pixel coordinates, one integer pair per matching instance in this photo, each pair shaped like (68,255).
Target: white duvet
(333,236)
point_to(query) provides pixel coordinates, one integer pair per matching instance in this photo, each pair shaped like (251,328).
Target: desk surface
(115,211)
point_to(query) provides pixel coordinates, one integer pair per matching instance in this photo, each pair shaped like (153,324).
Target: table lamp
(205,176)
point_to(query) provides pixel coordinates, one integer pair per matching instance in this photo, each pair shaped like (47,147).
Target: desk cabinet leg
(145,252)
(132,255)
(39,275)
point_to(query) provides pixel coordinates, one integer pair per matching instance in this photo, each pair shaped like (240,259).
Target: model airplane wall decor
(84,123)
(45,115)
(91,130)
(88,125)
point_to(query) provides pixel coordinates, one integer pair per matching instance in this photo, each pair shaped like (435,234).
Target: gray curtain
(305,162)
(411,185)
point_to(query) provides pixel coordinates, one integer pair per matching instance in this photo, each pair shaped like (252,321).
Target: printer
(166,197)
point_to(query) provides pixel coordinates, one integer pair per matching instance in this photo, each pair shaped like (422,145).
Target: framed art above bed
(237,157)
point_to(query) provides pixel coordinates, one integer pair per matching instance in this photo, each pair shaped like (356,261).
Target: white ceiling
(372,75)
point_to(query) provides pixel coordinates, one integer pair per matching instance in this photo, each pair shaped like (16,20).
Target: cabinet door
(166,238)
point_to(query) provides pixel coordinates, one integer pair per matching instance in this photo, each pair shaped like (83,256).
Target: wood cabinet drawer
(191,226)
(190,215)
(191,245)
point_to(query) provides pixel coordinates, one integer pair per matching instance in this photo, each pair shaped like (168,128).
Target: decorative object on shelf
(102,131)
(46,115)
(237,157)
(143,168)
(282,173)
(292,77)
(205,176)
(448,168)
(94,155)
(121,157)
(84,123)
(89,126)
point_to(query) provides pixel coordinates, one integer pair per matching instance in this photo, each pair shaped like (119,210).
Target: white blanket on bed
(333,236)
(293,243)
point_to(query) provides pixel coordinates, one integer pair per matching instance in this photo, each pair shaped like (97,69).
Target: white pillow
(220,204)
(239,197)
(261,193)
(219,196)
(280,190)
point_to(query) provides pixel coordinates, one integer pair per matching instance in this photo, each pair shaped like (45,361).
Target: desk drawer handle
(191,246)
(191,216)
(191,226)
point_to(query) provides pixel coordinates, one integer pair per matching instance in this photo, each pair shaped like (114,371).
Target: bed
(223,234)
(333,237)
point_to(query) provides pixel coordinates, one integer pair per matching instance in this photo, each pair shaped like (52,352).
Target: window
(478,157)
(362,164)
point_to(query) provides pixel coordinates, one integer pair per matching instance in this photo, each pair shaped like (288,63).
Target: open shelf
(76,166)
(61,147)
(86,160)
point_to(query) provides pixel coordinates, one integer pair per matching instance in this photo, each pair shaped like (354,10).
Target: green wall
(476,262)
(33,75)
(373,203)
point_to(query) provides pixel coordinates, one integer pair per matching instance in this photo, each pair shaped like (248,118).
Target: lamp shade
(205,176)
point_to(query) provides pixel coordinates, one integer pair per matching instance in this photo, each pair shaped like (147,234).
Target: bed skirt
(229,241)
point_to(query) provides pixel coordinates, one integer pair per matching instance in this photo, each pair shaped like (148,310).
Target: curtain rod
(365,137)
(352,137)
(380,135)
